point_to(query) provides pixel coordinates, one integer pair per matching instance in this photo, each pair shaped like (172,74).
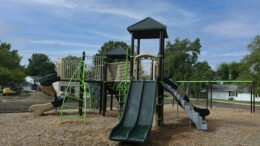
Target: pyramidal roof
(117,52)
(148,28)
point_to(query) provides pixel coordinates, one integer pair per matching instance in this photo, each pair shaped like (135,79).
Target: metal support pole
(81,85)
(177,109)
(101,84)
(172,101)
(210,95)
(132,55)
(111,101)
(207,100)
(101,97)
(163,71)
(138,62)
(251,97)
(104,89)
(160,87)
(254,97)
(152,73)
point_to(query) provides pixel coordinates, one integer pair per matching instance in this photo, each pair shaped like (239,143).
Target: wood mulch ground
(227,126)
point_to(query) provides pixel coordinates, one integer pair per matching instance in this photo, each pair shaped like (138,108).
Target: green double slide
(136,121)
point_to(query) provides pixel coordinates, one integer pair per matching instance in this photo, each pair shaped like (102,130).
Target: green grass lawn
(235,101)
(229,101)
(221,100)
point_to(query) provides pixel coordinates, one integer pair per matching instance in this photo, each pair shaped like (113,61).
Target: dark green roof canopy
(116,53)
(148,28)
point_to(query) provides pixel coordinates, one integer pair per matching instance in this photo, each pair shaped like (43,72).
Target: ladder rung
(75,98)
(72,106)
(72,116)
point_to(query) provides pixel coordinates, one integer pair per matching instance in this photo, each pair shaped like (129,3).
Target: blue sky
(60,28)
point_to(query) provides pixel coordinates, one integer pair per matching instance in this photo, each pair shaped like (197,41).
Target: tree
(10,68)
(180,58)
(228,71)
(234,70)
(249,68)
(70,57)
(40,65)
(201,71)
(223,71)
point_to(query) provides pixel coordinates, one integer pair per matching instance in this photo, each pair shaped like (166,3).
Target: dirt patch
(227,126)
(21,103)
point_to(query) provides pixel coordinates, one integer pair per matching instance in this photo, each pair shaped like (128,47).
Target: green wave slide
(136,121)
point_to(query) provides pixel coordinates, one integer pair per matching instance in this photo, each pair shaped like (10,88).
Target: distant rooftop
(117,52)
(35,77)
(216,87)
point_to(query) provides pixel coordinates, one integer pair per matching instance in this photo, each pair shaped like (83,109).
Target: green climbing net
(122,93)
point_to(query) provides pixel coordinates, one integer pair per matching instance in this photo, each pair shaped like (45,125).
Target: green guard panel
(130,114)
(145,118)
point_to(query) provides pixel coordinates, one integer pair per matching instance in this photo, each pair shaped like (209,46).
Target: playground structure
(137,99)
(47,87)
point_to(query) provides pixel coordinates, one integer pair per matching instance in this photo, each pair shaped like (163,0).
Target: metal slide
(136,121)
(197,115)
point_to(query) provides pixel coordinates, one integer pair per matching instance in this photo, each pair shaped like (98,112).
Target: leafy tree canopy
(228,71)
(10,68)
(250,64)
(40,65)
(180,57)
(70,57)
(202,71)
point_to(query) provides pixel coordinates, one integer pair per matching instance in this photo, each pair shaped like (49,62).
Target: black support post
(101,97)
(163,71)
(207,100)
(111,101)
(101,89)
(210,95)
(152,70)
(160,87)
(132,55)
(251,97)
(138,62)
(254,97)
(104,88)
(81,84)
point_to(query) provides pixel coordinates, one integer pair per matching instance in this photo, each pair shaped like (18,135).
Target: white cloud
(60,3)
(136,11)
(103,34)
(233,28)
(236,54)
(63,43)
(116,11)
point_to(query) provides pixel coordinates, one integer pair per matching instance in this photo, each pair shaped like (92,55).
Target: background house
(31,83)
(32,79)
(27,86)
(230,92)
